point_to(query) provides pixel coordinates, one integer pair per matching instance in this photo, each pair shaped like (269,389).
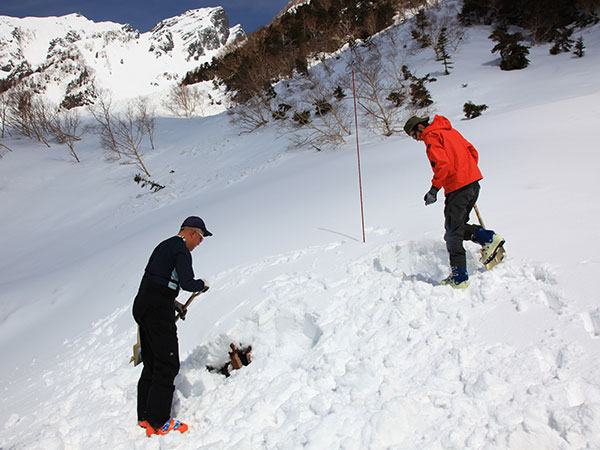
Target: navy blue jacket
(170,265)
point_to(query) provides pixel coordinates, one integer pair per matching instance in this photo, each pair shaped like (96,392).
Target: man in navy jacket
(169,269)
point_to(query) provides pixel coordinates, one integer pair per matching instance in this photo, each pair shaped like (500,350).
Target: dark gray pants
(457,209)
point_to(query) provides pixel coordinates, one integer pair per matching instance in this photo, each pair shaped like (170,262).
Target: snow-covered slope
(355,346)
(74,56)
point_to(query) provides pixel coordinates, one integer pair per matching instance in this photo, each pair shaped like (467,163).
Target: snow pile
(355,346)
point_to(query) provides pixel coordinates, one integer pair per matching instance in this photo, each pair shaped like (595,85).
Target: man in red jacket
(454,163)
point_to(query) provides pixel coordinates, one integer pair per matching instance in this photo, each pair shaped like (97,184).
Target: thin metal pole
(362,209)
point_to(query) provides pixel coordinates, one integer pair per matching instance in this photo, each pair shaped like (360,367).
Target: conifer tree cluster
(541,17)
(282,49)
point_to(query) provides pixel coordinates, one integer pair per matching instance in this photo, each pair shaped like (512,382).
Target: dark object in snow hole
(238,357)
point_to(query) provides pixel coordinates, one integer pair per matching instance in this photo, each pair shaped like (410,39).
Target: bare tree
(446,27)
(4,107)
(64,127)
(147,117)
(128,133)
(102,113)
(6,147)
(330,123)
(378,94)
(28,115)
(252,114)
(185,101)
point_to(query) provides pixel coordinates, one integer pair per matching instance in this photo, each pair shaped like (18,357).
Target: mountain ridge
(70,58)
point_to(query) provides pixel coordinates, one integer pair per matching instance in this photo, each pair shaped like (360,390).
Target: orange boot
(171,424)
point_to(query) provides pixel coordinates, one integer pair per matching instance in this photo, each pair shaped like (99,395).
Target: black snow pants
(154,312)
(458,206)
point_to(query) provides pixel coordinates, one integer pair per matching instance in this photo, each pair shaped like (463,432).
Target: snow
(118,58)
(355,346)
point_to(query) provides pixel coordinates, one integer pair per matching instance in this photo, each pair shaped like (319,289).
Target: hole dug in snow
(238,357)
(194,378)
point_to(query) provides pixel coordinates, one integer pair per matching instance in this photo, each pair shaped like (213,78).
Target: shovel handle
(188,303)
(478,216)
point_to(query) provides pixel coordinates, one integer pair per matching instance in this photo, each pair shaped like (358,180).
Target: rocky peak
(71,56)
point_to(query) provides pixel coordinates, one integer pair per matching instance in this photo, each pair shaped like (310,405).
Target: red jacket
(453,158)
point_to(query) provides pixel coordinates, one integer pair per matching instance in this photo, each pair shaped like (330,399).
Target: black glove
(179,309)
(431,196)
(206,286)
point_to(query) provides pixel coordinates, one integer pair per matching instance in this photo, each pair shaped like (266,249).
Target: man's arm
(183,265)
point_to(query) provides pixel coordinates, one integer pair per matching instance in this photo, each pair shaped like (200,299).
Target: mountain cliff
(69,59)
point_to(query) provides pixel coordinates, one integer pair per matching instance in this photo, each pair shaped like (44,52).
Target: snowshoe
(458,279)
(497,259)
(492,252)
(170,425)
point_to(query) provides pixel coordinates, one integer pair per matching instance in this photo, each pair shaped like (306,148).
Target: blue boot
(458,279)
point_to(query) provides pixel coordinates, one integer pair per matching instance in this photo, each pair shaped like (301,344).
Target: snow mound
(361,352)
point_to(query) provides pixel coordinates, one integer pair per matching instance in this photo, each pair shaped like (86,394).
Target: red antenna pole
(362,209)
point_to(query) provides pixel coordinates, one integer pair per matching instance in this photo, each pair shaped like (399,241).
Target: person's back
(453,158)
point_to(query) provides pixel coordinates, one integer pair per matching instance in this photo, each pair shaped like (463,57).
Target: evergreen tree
(472,110)
(513,55)
(419,33)
(397,98)
(420,97)
(541,17)
(579,47)
(477,11)
(442,52)
(562,41)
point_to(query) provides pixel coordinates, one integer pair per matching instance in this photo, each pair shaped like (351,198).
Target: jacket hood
(439,123)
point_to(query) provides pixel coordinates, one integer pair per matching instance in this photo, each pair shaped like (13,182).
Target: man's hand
(206,286)
(180,309)
(431,196)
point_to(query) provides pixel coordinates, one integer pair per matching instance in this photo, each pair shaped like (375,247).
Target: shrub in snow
(513,55)
(472,110)
(301,118)
(154,187)
(562,41)
(322,106)
(579,47)
(397,98)
(339,93)
(281,113)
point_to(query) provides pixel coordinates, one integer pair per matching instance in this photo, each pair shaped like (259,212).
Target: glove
(431,196)
(179,309)
(206,286)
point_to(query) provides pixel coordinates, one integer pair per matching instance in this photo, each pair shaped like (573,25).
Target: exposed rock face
(195,40)
(71,58)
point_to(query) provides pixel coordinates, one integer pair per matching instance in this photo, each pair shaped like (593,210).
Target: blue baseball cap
(196,222)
